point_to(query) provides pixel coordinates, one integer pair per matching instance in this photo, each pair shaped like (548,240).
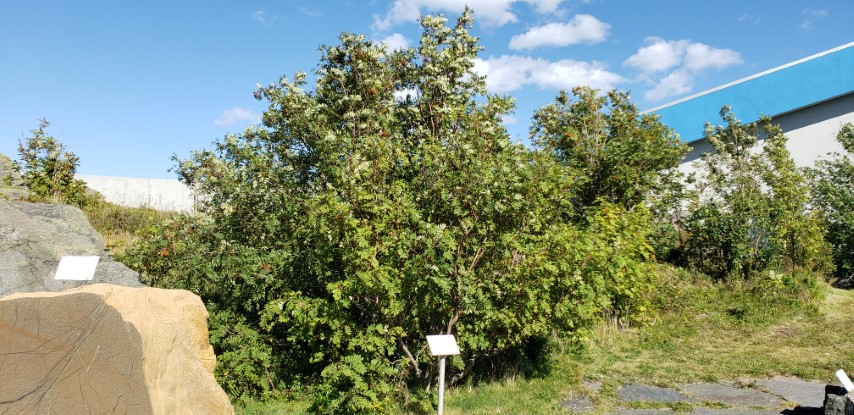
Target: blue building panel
(777,91)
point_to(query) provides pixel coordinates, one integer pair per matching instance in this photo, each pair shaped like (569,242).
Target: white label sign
(840,374)
(443,345)
(77,268)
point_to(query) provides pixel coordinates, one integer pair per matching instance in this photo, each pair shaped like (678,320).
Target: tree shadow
(803,410)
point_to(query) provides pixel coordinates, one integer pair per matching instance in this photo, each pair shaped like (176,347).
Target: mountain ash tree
(383,203)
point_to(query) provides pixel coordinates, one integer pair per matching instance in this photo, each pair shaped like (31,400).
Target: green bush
(385,204)
(619,155)
(748,213)
(48,169)
(832,187)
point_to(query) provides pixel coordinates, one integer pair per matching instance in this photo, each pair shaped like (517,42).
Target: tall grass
(119,225)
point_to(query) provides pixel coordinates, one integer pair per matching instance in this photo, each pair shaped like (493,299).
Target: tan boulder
(104,349)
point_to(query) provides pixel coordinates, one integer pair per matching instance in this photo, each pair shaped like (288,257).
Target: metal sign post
(442,346)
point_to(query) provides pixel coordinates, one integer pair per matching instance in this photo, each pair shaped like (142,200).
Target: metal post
(441,384)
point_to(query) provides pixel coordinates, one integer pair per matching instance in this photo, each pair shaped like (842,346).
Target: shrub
(48,169)
(618,155)
(748,213)
(832,187)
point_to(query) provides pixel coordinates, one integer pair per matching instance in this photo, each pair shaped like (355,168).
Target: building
(158,194)
(810,99)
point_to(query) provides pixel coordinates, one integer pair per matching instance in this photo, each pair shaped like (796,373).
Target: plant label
(443,345)
(77,268)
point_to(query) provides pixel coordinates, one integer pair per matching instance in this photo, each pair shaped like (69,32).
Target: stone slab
(645,393)
(731,396)
(801,392)
(592,386)
(578,404)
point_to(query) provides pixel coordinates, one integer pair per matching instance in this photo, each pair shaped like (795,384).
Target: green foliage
(748,213)
(48,169)
(832,188)
(619,156)
(385,204)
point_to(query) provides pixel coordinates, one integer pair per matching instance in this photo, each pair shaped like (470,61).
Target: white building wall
(159,194)
(811,132)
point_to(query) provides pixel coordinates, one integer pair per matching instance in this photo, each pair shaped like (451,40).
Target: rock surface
(35,236)
(743,397)
(645,393)
(104,349)
(803,393)
(837,401)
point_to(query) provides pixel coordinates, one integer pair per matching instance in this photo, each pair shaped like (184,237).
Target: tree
(749,211)
(618,155)
(832,188)
(48,168)
(386,203)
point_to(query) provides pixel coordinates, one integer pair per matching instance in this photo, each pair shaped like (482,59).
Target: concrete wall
(160,194)
(811,132)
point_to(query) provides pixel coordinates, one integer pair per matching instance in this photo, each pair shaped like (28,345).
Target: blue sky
(127,84)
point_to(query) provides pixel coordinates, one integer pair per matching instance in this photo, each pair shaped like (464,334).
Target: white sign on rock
(77,268)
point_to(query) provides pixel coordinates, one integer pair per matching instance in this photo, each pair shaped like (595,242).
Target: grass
(709,332)
(704,332)
(119,224)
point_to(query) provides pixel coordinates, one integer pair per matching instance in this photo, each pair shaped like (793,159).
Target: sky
(128,84)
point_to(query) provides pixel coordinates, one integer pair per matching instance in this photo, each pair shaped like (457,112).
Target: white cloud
(260,15)
(810,16)
(675,63)
(749,18)
(699,57)
(396,41)
(236,115)
(583,28)
(660,56)
(508,119)
(487,12)
(512,72)
(676,83)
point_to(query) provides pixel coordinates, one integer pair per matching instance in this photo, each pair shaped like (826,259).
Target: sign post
(442,346)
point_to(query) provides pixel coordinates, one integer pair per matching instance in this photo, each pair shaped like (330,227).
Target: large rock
(105,349)
(837,401)
(35,236)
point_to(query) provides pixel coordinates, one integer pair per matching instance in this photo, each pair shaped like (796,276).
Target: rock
(11,184)
(837,401)
(644,393)
(715,392)
(104,349)
(805,394)
(578,405)
(35,236)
